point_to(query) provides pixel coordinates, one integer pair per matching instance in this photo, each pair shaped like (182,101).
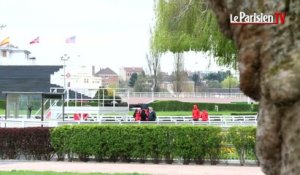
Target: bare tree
(153,62)
(179,74)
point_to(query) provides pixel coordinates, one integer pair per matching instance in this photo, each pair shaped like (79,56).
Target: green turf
(56,173)
(21,112)
(2,111)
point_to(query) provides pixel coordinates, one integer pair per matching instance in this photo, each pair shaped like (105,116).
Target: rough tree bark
(269,65)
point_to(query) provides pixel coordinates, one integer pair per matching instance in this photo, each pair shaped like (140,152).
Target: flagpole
(2,26)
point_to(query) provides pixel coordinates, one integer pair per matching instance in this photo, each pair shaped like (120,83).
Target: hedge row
(2,104)
(30,143)
(139,143)
(243,140)
(188,106)
(126,143)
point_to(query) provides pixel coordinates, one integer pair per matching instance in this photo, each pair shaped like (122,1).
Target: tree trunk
(269,65)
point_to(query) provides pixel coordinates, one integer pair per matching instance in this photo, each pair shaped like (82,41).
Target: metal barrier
(222,121)
(185,95)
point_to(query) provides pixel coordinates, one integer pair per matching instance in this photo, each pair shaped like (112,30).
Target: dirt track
(161,169)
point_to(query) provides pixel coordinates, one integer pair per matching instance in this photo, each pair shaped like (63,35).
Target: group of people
(144,114)
(197,114)
(148,114)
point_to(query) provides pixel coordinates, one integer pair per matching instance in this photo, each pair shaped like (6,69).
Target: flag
(35,41)
(71,40)
(4,41)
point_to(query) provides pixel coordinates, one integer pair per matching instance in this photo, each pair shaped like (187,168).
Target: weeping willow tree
(183,25)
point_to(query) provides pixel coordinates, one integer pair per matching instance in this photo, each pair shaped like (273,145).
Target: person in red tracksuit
(196,113)
(137,115)
(204,115)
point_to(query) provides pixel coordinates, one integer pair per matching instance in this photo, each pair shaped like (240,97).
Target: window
(86,80)
(4,54)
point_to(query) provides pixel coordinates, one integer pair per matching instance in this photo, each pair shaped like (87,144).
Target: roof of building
(12,48)
(105,71)
(133,69)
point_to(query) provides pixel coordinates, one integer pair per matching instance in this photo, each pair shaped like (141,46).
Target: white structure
(10,55)
(77,77)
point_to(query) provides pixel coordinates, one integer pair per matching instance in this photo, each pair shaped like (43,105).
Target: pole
(63,107)
(65,58)
(64,74)
(152,98)
(229,76)
(229,84)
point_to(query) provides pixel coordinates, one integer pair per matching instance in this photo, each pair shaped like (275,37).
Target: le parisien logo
(257,18)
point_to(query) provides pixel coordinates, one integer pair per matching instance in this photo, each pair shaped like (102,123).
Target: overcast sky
(109,33)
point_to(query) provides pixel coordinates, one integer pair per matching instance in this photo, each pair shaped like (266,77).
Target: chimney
(93,70)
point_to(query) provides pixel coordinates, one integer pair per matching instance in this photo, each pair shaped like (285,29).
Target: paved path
(153,169)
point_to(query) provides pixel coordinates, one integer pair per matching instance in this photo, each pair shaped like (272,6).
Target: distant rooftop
(106,71)
(13,49)
(133,69)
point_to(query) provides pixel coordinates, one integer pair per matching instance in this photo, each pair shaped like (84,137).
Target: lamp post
(65,58)
(229,87)
(152,93)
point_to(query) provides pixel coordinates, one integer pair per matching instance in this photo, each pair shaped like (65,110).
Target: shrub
(187,106)
(243,140)
(128,142)
(2,104)
(138,142)
(10,143)
(33,143)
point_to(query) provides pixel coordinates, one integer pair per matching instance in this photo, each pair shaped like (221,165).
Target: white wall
(77,77)
(15,58)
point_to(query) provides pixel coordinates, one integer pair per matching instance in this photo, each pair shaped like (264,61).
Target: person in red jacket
(196,113)
(204,115)
(137,115)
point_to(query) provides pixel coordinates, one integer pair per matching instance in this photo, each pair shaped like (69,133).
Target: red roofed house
(126,72)
(109,77)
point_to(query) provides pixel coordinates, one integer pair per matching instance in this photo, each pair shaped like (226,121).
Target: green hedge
(130,142)
(127,142)
(188,106)
(2,104)
(243,139)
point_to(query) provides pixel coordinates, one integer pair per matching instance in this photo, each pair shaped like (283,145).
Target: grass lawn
(57,173)
(2,111)
(21,112)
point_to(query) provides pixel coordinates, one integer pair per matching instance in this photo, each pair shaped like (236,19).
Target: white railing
(170,95)
(222,121)
(184,95)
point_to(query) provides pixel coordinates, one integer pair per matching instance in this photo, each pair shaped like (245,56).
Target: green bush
(2,104)
(243,140)
(188,106)
(139,142)
(129,142)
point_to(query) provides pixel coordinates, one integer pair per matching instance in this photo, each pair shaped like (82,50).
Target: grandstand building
(19,72)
